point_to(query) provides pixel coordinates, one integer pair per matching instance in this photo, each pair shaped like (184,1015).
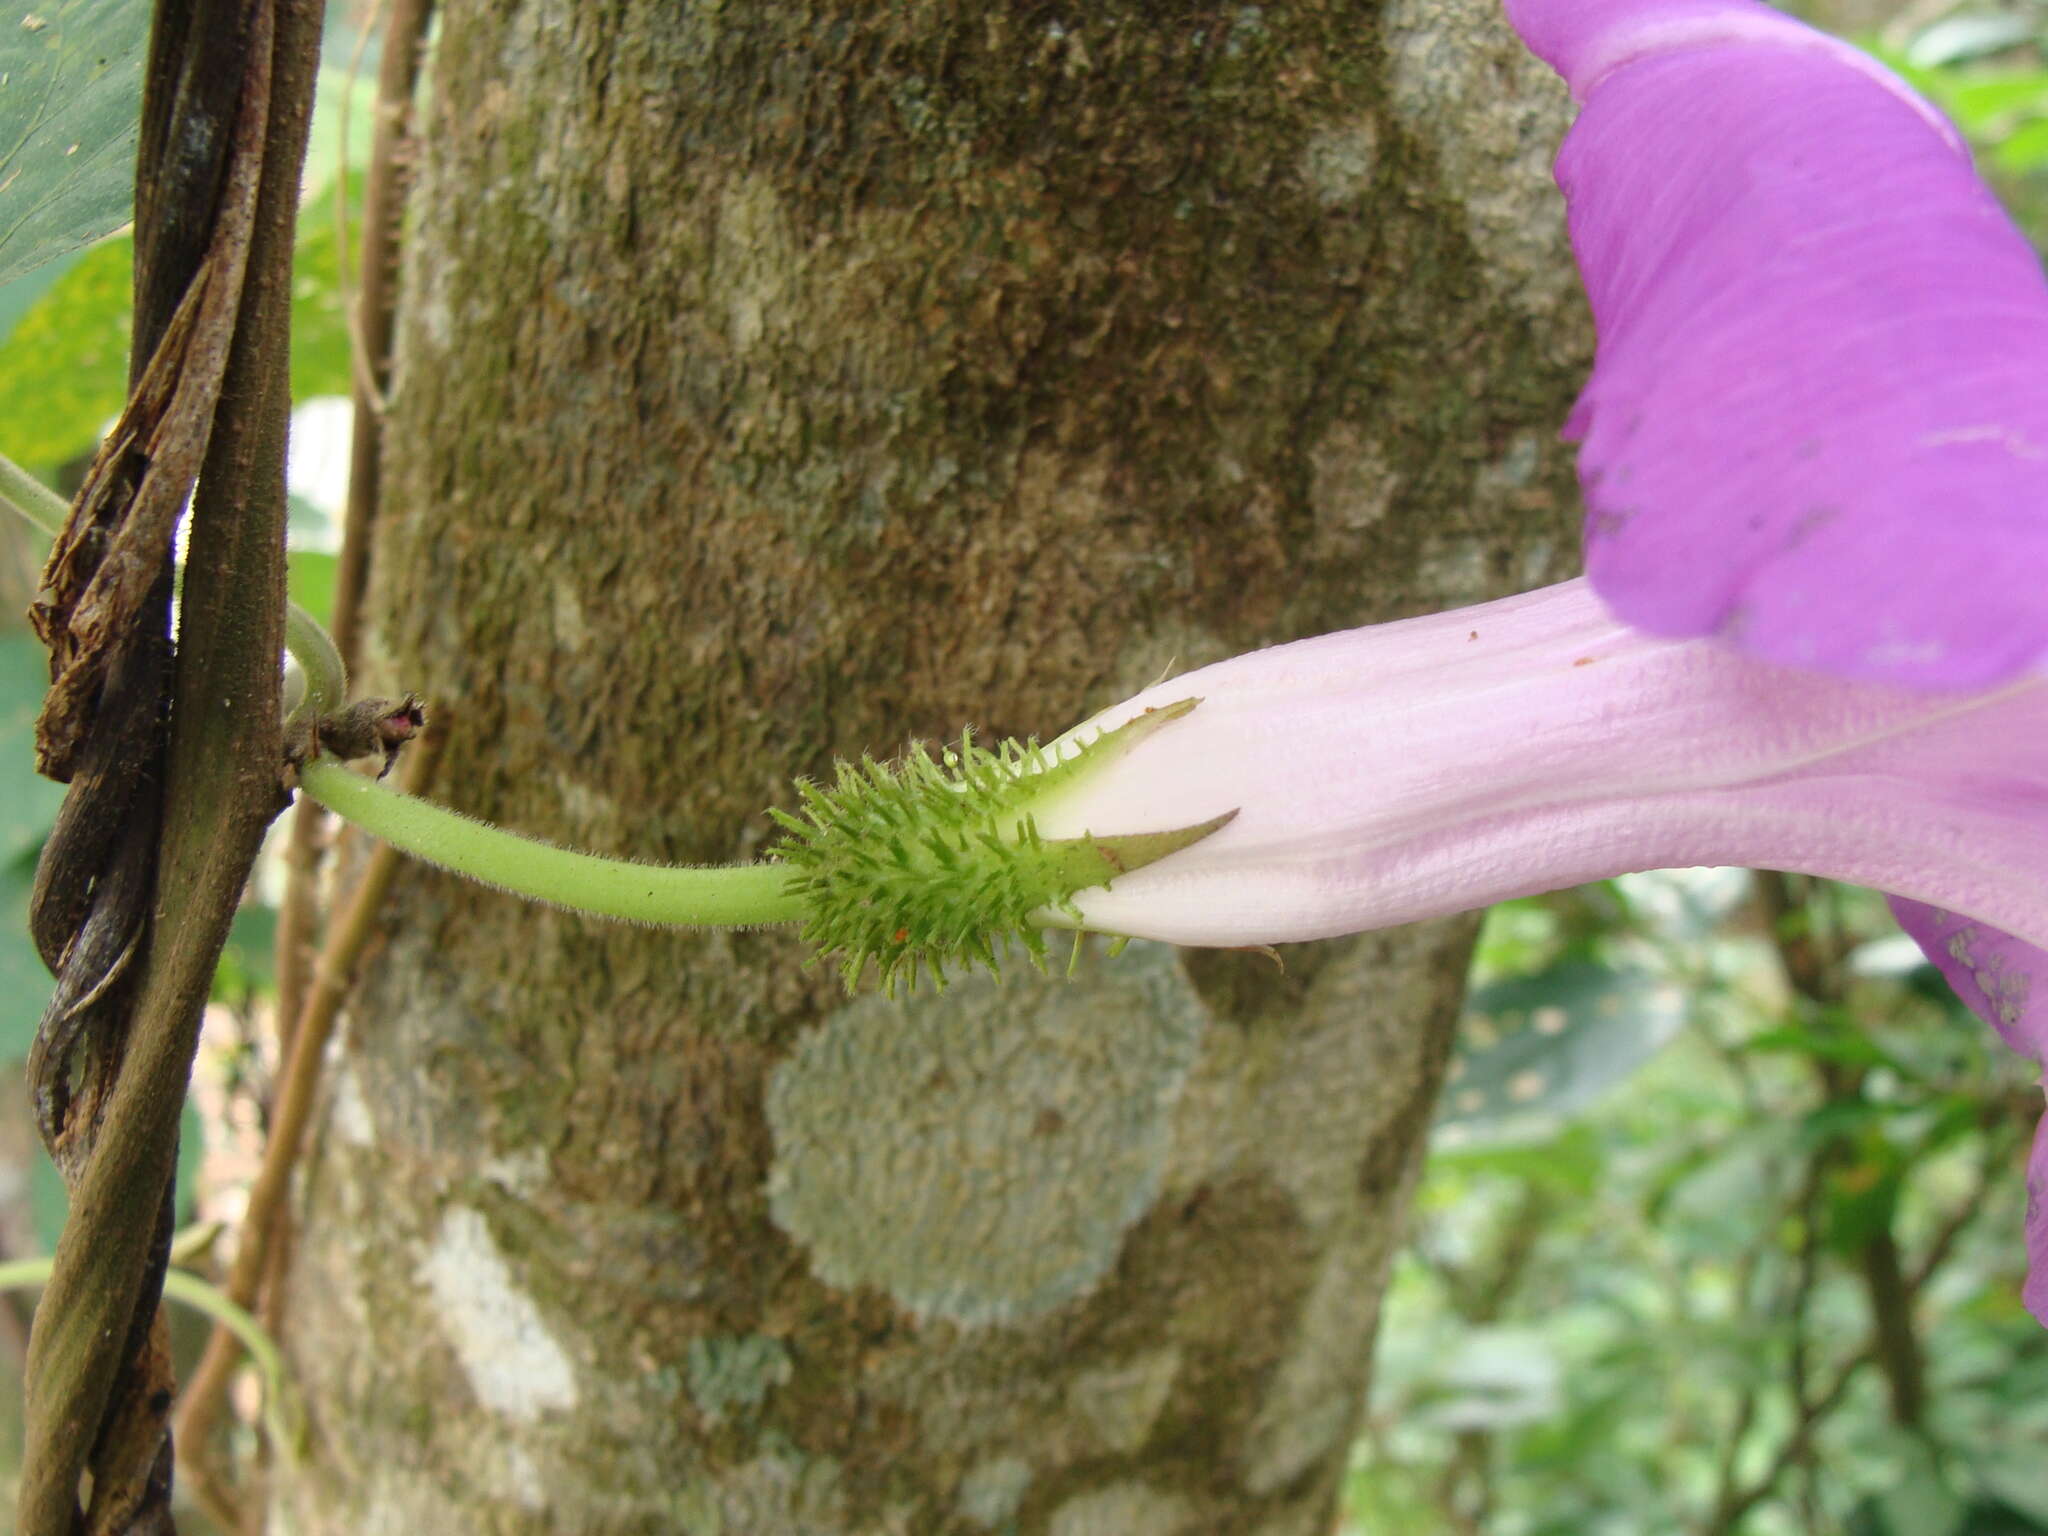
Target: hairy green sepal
(936,859)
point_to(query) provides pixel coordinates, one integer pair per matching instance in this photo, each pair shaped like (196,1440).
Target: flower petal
(1818,420)
(2035,1292)
(1992,972)
(1995,974)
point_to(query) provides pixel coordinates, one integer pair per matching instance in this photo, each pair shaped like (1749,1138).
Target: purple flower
(1815,459)
(1817,424)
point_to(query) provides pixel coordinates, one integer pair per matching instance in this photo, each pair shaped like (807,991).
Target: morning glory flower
(1815,463)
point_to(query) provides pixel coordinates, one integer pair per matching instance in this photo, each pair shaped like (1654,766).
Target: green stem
(728,895)
(280,1411)
(304,636)
(31,498)
(309,644)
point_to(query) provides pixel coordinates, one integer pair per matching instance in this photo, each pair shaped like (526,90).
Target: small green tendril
(936,859)
(305,637)
(284,1420)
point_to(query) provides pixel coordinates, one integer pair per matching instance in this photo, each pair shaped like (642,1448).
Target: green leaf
(2020,1481)
(64,372)
(248,961)
(2025,148)
(1980,102)
(48,1204)
(28,801)
(1958,39)
(320,339)
(1989,1517)
(1534,1048)
(1860,1192)
(1835,1040)
(309,579)
(1571,1163)
(1919,1502)
(1494,1378)
(16,297)
(326,154)
(24,984)
(69,109)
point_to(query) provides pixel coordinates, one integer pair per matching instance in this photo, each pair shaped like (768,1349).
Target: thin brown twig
(1746,1406)
(297,912)
(370,329)
(298,1090)
(1805,1274)
(362,365)
(1808,961)
(374,313)
(213,1496)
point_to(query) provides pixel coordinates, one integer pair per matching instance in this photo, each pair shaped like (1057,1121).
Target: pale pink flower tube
(1445,763)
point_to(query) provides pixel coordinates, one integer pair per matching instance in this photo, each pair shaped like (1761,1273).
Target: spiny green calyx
(933,860)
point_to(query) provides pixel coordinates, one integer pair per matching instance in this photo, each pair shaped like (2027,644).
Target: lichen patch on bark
(992,1489)
(1451,61)
(978,1155)
(1311,1402)
(1119,1403)
(1124,1509)
(729,1375)
(348,1113)
(513,1362)
(1341,161)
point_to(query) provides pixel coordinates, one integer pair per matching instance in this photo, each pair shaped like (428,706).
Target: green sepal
(936,860)
(1088,861)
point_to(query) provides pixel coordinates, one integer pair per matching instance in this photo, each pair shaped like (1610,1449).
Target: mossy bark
(785,381)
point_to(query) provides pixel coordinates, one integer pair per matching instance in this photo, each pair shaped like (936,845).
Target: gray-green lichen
(992,1490)
(513,1361)
(1311,1401)
(1123,1509)
(781,1491)
(728,1372)
(1456,61)
(979,1155)
(1118,1404)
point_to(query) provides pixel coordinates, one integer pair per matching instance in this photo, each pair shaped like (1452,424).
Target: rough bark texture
(782,381)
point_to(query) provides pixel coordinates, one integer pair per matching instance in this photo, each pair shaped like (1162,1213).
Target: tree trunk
(785,381)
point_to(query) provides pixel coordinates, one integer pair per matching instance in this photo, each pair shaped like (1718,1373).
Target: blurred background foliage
(1766,1280)
(1721,1229)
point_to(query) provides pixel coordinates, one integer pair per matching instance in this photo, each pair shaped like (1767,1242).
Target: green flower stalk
(665,895)
(929,862)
